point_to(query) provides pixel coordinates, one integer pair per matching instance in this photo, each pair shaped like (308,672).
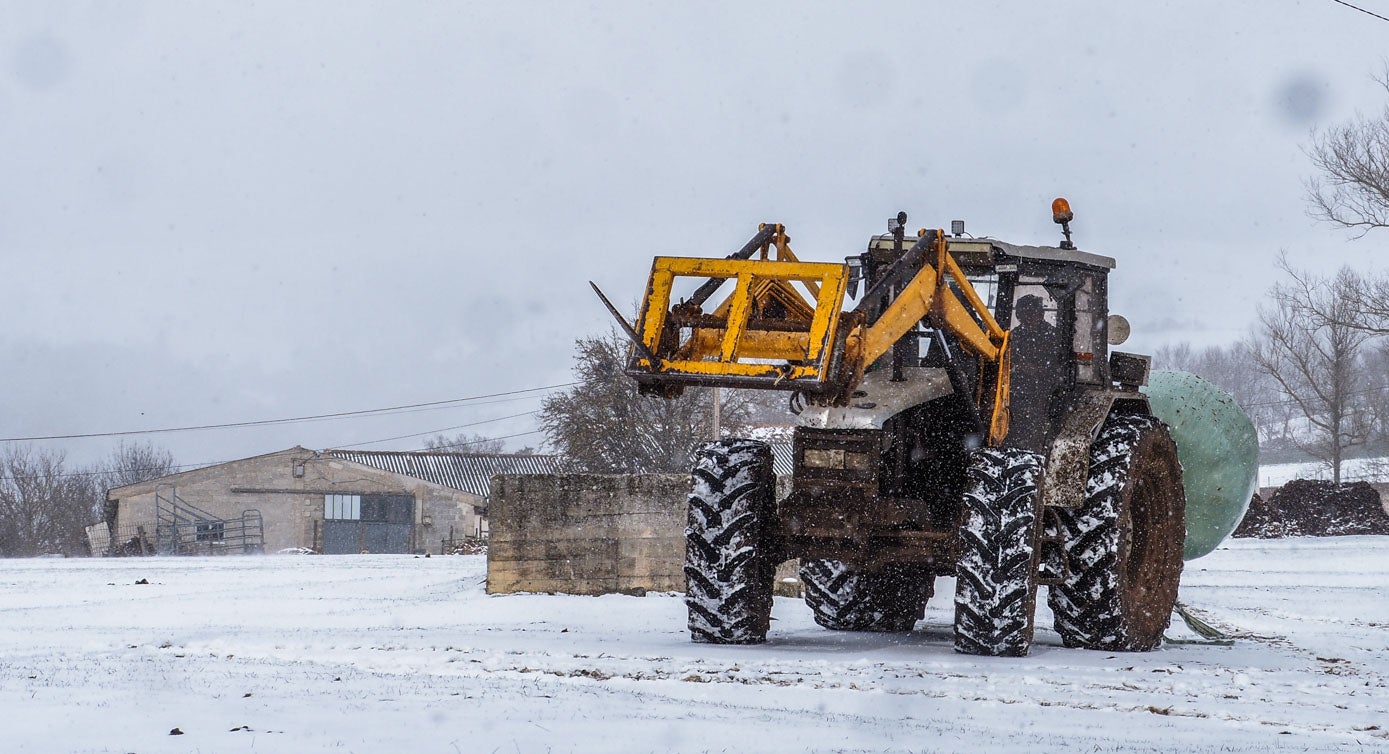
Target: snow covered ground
(1353,470)
(404,654)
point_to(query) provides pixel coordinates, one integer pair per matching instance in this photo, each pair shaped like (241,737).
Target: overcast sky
(220,213)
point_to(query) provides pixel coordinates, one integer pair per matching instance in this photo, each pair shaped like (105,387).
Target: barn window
(342,507)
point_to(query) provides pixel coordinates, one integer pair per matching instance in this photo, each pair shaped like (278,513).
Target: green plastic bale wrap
(1219,451)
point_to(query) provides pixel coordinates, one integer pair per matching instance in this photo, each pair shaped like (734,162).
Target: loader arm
(928,295)
(783,326)
(958,309)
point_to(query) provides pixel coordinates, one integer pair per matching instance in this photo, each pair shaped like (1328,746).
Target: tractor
(965,417)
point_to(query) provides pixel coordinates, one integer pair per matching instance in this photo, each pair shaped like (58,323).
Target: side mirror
(1118,329)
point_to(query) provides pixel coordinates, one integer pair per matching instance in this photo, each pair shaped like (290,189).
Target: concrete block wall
(587,533)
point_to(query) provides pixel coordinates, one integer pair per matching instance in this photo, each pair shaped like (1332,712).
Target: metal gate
(184,529)
(382,524)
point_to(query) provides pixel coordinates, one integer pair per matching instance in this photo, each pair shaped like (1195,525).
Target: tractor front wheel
(996,577)
(730,558)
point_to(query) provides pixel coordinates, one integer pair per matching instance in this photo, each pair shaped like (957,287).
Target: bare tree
(43,507)
(1375,372)
(465,443)
(132,463)
(1370,295)
(1351,191)
(1310,340)
(768,407)
(46,505)
(602,424)
(1353,160)
(1215,363)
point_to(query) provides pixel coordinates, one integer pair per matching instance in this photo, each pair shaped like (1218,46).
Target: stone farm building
(331,501)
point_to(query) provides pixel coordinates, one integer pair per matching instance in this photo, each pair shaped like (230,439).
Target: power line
(426,409)
(1362,10)
(436,431)
(266,422)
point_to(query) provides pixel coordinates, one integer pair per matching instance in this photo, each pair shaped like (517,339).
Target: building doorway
(367,524)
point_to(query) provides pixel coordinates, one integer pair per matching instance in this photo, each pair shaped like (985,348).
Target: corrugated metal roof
(461,471)
(783,461)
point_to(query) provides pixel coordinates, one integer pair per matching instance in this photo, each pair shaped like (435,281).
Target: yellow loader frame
(783,325)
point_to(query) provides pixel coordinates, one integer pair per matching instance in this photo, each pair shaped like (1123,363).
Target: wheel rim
(1147,557)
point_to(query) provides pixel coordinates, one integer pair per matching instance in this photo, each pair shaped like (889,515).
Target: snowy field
(1352,470)
(404,654)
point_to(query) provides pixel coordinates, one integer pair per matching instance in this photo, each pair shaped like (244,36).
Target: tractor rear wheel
(845,599)
(1124,544)
(996,577)
(730,558)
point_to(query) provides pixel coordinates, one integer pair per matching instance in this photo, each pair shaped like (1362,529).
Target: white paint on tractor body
(878,399)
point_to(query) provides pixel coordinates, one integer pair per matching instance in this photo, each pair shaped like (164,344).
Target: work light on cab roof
(1061,215)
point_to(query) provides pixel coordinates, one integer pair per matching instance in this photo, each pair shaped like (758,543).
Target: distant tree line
(46,504)
(471,444)
(1312,373)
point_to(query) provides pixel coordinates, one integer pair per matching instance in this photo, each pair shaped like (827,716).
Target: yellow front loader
(931,439)
(783,326)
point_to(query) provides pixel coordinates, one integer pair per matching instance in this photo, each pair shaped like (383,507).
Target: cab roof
(1045,253)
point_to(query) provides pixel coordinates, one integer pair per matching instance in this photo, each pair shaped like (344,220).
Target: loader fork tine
(631,333)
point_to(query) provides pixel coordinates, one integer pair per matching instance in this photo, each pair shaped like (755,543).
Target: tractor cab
(1054,304)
